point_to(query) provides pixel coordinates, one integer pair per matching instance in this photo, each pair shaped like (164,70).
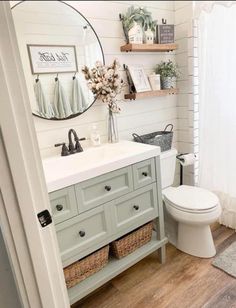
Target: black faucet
(72,148)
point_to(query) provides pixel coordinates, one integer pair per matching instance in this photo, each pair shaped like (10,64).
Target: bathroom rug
(226,260)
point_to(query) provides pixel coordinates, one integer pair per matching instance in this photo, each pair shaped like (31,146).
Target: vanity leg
(160,229)
(162,254)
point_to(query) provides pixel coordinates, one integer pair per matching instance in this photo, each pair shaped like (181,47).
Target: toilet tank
(168,162)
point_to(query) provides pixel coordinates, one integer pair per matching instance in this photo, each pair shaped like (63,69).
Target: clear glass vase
(112,128)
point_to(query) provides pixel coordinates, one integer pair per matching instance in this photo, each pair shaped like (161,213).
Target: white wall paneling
(141,116)
(187,84)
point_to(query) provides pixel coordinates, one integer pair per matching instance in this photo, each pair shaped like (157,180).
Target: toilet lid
(191,198)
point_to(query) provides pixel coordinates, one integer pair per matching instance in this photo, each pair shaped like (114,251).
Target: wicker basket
(129,243)
(163,138)
(85,267)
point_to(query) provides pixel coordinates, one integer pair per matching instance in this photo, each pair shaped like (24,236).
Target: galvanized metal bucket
(168,82)
(163,139)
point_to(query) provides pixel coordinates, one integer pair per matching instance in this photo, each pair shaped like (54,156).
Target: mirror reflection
(55,42)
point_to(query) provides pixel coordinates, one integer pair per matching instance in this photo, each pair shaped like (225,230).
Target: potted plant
(169,72)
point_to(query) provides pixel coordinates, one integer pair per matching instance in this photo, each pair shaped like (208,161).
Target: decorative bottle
(95,136)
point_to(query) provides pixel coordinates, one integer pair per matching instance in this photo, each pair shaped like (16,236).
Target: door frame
(33,250)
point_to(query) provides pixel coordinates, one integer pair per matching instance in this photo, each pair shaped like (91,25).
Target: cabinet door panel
(63,204)
(83,231)
(144,173)
(101,189)
(136,208)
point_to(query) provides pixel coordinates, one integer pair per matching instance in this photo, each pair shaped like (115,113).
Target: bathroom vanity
(100,195)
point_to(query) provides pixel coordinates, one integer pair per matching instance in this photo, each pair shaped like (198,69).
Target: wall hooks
(56,79)
(37,78)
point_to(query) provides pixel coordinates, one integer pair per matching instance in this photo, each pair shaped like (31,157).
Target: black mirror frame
(103,58)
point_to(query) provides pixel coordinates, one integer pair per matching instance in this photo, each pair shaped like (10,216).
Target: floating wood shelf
(133,96)
(148,47)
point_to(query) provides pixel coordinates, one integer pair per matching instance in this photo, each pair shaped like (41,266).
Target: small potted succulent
(169,72)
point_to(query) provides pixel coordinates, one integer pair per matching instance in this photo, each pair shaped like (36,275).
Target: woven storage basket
(163,138)
(129,243)
(85,267)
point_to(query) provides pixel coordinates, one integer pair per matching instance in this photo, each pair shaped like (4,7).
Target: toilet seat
(191,199)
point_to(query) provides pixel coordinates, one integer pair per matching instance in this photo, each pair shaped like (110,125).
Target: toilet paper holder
(181,159)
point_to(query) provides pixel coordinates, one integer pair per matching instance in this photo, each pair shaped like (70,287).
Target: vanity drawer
(63,204)
(144,173)
(101,189)
(135,209)
(82,232)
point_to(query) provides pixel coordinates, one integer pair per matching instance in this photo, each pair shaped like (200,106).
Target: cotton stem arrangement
(105,83)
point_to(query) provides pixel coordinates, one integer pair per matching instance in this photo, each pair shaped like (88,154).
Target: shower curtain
(217,104)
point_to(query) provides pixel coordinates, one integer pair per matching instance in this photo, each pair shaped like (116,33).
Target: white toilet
(193,208)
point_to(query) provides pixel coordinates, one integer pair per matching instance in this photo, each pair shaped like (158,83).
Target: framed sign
(45,59)
(139,78)
(165,34)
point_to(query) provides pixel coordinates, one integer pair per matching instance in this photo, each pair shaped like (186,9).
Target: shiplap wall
(187,62)
(141,116)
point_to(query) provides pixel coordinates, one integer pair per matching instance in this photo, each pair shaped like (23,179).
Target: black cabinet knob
(59,207)
(136,207)
(144,174)
(108,188)
(81,233)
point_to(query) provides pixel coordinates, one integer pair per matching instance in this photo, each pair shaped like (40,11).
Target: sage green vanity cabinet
(93,213)
(83,231)
(144,173)
(101,189)
(63,204)
(135,209)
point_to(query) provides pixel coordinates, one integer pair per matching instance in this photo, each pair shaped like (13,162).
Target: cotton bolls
(105,82)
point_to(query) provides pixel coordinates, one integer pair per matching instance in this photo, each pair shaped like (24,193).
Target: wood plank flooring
(182,282)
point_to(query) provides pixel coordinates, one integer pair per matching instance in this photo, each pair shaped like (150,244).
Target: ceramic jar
(149,36)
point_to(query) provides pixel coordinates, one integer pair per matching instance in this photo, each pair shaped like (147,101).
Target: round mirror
(55,42)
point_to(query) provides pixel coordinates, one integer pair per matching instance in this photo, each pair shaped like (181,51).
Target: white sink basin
(68,170)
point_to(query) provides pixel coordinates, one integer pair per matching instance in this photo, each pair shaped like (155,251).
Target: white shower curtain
(217,106)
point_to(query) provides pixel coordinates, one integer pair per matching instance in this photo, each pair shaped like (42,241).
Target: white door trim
(24,161)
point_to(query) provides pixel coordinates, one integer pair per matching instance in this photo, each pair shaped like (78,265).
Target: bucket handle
(136,136)
(171,125)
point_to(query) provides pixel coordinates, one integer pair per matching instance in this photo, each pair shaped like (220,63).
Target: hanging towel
(79,102)
(44,106)
(62,106)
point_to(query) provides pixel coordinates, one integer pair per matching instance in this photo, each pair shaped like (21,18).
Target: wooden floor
(182,282)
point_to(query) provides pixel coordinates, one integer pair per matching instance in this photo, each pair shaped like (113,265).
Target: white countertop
(64,171)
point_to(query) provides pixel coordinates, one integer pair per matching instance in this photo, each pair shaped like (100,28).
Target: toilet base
(196,240)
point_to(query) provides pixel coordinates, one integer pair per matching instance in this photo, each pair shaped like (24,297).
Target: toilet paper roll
(187,159)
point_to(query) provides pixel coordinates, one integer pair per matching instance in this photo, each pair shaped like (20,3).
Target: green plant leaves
(167,69)
(139,15)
